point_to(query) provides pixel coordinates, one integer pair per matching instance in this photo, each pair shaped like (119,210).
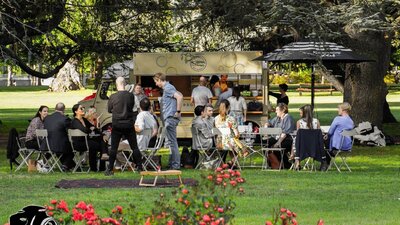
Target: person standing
(57,125)
(120,105)
(201,95)
(238,106)
(281,97)
(139,95)
(171,114)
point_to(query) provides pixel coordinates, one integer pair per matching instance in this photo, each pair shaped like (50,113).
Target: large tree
(365,26)
(50,32)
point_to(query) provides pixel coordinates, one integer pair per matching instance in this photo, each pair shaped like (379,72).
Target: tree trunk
(365,89)
(98,74)
(10,80)
(67,79)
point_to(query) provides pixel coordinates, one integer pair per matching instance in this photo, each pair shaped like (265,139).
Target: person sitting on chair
(306,121)
(341,122)
(96,143)
(204,138)
(36,123)
(145,125)
(284,121)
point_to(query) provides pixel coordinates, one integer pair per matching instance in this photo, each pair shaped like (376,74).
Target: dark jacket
(309,143)
(120,105)
(57,125)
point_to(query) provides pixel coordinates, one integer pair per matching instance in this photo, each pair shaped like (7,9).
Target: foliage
(210,202)
(284,216)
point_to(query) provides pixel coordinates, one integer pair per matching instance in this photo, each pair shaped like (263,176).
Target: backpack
(254,106)
(187,160)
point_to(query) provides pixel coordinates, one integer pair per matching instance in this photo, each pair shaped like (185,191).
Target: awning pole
(312,86)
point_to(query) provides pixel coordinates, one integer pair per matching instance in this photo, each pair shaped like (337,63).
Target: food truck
(183,70)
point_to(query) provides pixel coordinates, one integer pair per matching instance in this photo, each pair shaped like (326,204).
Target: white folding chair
(79,154)
(205,154)
(54,159)
(267,132)
(325,129)
(24,153)
(150,152)
(247,138)
(225,132)
(342,153)
(124,155)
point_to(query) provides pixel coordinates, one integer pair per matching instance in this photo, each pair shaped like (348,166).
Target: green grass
(369,195)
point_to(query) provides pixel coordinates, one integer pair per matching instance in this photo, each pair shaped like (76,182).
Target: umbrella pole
(312,86)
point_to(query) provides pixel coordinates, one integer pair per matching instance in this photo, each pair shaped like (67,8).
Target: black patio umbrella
(312,52)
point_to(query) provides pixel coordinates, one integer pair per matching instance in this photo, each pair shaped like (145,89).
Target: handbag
(218,144)
(32,165)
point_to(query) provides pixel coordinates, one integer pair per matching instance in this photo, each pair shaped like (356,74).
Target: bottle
(250,127)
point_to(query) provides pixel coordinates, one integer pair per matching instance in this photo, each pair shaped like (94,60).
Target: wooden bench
(155,174)
(317,88)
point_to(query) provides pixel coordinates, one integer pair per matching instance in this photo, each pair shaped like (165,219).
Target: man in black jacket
(120,105)
(57,125)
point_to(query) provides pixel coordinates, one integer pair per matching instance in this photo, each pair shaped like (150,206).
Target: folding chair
(150,152)
(247,138)
(54,160)
(79,154)
(205,154)
(24,152)
(267,132)
(342,153)
(124,155)
(235,161)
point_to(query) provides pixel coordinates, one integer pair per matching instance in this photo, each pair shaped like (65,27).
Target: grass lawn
(369,195)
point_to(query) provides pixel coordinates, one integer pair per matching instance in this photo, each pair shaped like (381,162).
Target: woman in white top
(238,106)
(306,121)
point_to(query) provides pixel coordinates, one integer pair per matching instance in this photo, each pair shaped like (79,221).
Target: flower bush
(209,203)
(83,213)
(286,217)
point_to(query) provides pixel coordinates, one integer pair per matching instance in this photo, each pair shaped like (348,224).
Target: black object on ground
(120,183)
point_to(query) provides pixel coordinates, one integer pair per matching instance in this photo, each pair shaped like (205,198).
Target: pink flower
(320,222)
(185,191)
(81,205)
(220,210)
(268,223)
(170,222)
(206,205)
(63,206)
(119,209)
(76,215)
(206,218)
(53,201)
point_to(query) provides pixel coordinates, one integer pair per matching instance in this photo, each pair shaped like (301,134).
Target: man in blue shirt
(171,114)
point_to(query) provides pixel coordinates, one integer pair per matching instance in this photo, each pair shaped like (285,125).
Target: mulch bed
(120,183)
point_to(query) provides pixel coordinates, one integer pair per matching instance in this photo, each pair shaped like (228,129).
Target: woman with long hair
(228,141)
(306,121)
(95,143)
(36,123)
(238,107)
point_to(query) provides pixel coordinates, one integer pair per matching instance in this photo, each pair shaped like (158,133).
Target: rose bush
(208,203)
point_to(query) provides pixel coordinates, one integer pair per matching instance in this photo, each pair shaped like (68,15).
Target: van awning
(197,63)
